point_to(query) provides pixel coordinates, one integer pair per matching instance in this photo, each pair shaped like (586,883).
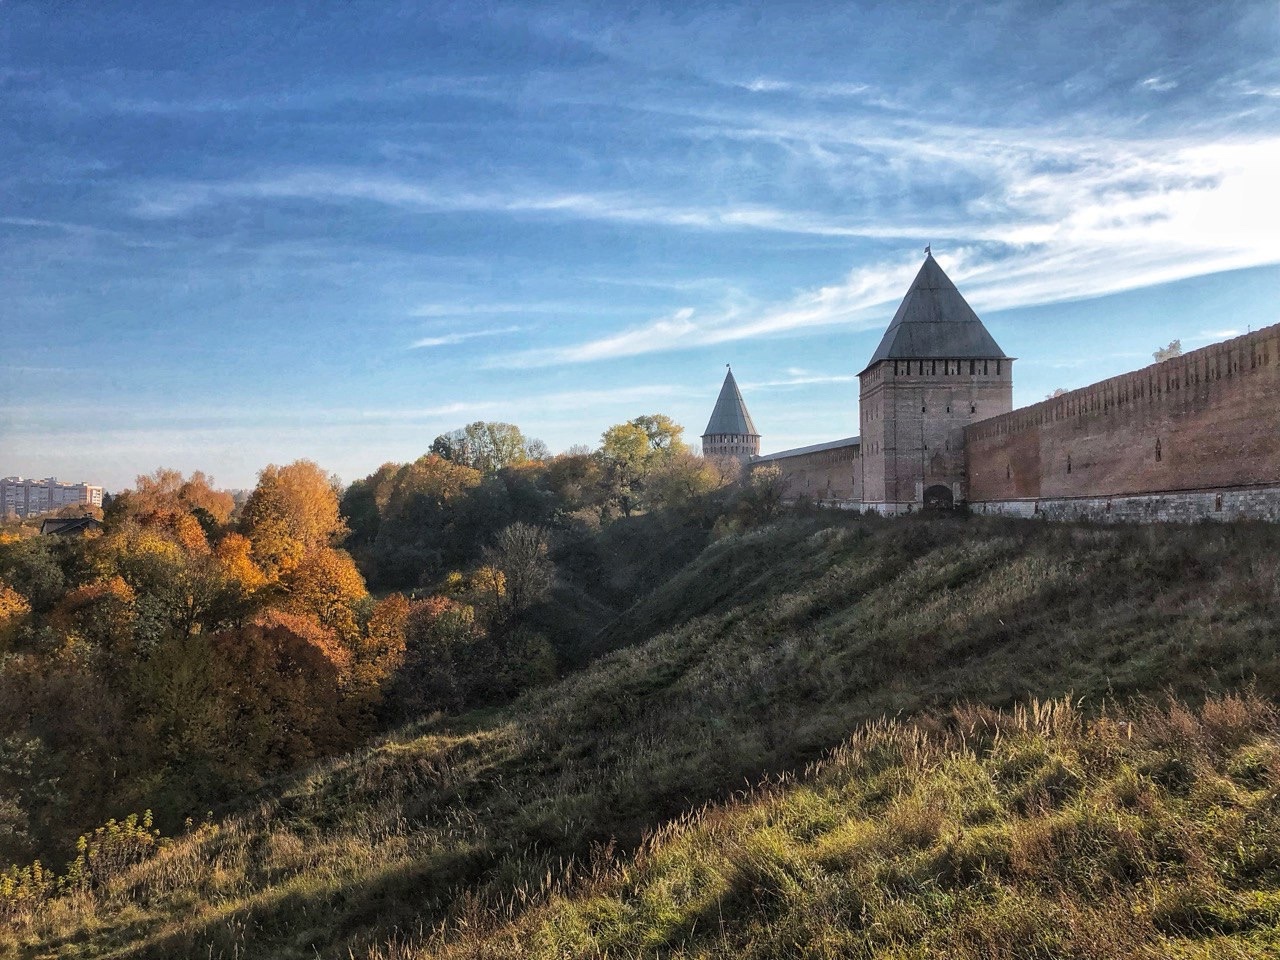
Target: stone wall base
(1239,503)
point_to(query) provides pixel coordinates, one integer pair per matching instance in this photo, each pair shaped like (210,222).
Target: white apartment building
(26,497)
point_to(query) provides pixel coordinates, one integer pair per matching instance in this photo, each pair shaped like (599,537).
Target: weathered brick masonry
(829,473)
(1198,435)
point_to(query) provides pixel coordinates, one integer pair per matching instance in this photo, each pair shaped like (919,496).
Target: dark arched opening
(938,497)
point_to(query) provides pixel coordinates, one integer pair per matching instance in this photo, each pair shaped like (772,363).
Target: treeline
(200,645)
(411,523)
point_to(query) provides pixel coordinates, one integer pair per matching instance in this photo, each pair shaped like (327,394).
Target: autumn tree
(664,435)
(624,450)
(379,651)
(682,479)
(416,537)
(177,589)
(364,502)
(14,610)
(279,680)
(166,498)
(102,613)
(34,567)
(443,665)
(574,483)
(629,451)
(234,553)
(326,585)
(65,721)
(762,494)
(293,509)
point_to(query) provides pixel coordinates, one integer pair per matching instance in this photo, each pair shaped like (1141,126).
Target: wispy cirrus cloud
(797,377)
(169,201)
(451,339)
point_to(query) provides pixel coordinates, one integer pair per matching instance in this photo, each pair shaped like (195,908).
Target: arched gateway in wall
(939,497)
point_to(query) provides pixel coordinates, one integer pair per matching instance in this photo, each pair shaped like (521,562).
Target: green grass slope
(975,835)
(760,656)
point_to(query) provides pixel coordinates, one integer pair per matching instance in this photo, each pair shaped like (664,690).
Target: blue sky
(235,234)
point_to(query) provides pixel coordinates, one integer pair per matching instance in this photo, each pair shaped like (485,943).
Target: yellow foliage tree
(14,611)
(235,553)
(293,509)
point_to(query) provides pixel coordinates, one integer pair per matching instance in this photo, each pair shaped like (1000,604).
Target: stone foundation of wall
(1186,506)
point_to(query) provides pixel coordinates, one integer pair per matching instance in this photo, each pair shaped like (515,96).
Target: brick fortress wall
(1186,429)
(833,475)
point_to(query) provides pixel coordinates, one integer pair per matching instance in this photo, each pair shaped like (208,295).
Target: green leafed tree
(663,434)
(630,451)
(488,446)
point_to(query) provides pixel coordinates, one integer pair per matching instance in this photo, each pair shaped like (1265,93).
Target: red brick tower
(936,370)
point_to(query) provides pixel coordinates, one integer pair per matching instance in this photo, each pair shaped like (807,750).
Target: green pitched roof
(730,414)
(934,322)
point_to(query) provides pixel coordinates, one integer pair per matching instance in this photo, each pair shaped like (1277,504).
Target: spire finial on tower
(928,251)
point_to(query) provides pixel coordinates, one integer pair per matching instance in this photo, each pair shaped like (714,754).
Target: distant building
(730,432)
(69,526)
(27,498)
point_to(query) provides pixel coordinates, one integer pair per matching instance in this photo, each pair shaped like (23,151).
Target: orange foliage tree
(380,650)
(326,585)
(235,554)
(167,499)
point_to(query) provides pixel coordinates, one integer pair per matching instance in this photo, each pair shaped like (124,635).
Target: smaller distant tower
(730,432)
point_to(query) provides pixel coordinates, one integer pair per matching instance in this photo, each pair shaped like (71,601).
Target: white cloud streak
(450,339)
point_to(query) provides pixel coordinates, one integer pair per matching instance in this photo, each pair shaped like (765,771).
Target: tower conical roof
(730,414)
(934,322)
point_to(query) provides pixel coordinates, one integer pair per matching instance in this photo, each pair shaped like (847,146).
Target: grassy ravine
(766,652)
(979,834)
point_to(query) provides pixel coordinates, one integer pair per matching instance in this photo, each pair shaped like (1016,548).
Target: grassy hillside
(974,835)
(765,652)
